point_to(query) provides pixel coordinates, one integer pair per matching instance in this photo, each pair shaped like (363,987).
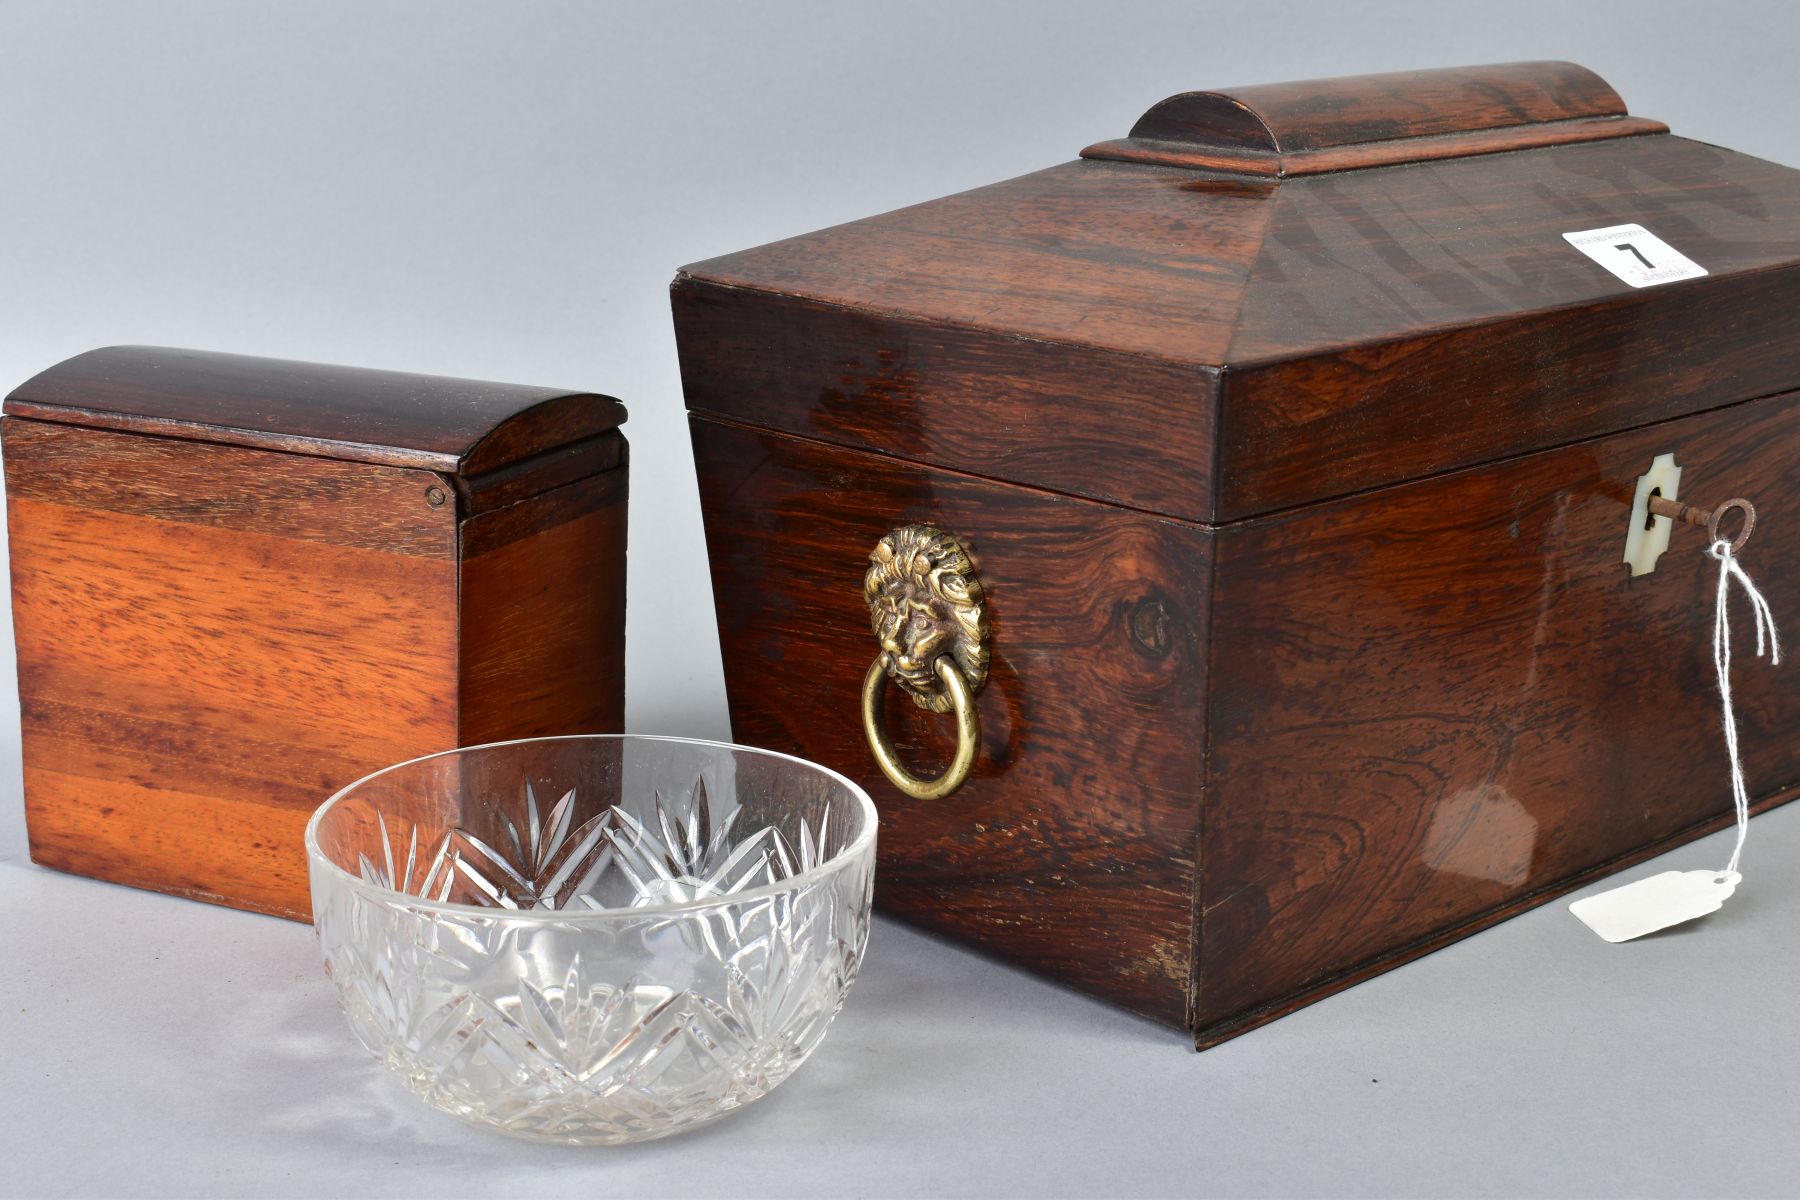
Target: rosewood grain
(1378,120)
(1071,850)
(1298,493)
(1316,114)
(952,396)
(1224,1030)
(214,636)
(1362,155)
(1357,810)
(1254,344)
(1356,800)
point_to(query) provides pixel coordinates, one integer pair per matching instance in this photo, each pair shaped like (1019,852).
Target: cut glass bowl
(593,939)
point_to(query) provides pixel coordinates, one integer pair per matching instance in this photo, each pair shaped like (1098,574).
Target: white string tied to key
(1621,914)
(1730,569)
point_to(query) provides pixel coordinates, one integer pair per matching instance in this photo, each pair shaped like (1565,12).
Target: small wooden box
(1296,448)
(241,583)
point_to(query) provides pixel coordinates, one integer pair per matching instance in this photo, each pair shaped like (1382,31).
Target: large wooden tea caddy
(242,583)
(1256,487)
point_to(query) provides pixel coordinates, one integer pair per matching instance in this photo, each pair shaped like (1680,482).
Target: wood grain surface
(542,615)
(391,418)
(1071,850)
(1359,156)
(1303,491)
(1313,114)
(1427,706)
(199,668)
(1357,121)
(213,637)
(1432,702)
(952,396)
(1255,345)
(1496,337)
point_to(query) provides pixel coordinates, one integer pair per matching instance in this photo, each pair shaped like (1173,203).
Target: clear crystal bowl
(593,939)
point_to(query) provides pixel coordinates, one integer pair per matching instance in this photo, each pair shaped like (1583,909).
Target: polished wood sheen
(1351,109)
(212,637)
(393,418)
(1339,805)
(951,396)
(1378,120)
(1298,489)
(1431,702)
(1212,347)
(541,607)
(1067,851)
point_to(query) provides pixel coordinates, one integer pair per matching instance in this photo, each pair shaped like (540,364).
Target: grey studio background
(504,192)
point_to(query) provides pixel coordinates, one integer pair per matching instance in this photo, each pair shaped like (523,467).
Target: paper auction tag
(1676,896)
(1655,903)
(1635,255)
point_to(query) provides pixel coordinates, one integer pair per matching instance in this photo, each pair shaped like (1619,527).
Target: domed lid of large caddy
(1269,296)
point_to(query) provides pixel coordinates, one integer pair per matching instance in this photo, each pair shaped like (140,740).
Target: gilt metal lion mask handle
(925,608)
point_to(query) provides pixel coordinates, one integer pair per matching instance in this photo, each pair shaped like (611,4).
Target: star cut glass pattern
(593,939)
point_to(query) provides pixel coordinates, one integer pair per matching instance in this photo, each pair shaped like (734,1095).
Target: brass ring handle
(927,612)
(968,731)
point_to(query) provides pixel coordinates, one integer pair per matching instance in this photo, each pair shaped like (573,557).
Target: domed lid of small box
(456,426)
(1264,297)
